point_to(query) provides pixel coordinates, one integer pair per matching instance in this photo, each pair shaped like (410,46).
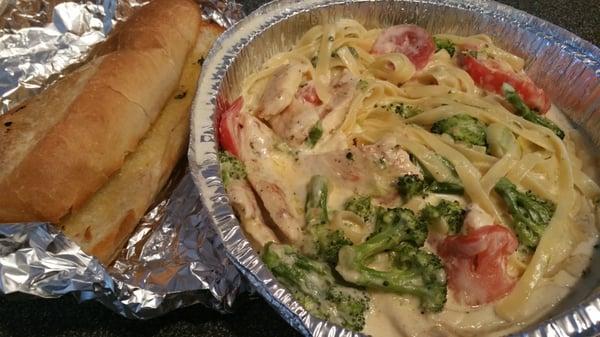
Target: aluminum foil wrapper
(41,40)
(174,258)
(573,83)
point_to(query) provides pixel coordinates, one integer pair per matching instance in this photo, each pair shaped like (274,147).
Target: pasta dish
(404,184)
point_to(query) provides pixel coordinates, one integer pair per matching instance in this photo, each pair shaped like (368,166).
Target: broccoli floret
(431,270)
(362,206)
(413,271)
(325,242)
(445,187)
(523,110)
(447,216)
(312,284)
(412,185)
(444,44)
(462,128)
(330,243)
(404,110)
(530,214)
(231,168)
(400,223)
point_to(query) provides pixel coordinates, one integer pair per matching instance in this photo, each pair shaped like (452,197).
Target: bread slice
(105,222)
(61,147)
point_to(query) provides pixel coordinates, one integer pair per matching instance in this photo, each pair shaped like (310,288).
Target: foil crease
(223,12)
(174,258)
(574,85)
(42,40)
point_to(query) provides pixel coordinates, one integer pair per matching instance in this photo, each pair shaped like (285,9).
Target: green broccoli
(444,44)
(530,214)
(231,168)
(523,110)
(462,128)
(413,271)
(316,201)
(362,85)
(313,285)
(363,207)
(404,110)
(431,271)
(446,216)
(325,242)
(412,185)
(314,134)
(446,187)
(400,223)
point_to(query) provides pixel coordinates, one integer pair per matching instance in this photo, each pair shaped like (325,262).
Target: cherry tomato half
(413,41)
(228,115)
(476,263)
(488,75)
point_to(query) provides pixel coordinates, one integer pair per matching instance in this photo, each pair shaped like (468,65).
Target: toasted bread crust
(106,221)
(62,146)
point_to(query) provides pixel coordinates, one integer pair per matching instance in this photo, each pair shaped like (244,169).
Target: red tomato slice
(228,124)
(488,75)
(413,41)
(476,264)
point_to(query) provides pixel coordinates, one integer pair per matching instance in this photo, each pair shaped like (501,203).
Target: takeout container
(567,67)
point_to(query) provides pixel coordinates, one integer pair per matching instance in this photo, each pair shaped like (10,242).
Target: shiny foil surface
(174,258)
(573,83)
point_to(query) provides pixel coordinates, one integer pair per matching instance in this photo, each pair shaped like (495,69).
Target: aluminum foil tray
(573,82)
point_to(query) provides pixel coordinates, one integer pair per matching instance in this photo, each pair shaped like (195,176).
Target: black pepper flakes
(7,124)
(349,155)
(200,61)
(181,95)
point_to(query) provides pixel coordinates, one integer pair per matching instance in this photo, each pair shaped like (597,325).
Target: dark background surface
(65,317)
